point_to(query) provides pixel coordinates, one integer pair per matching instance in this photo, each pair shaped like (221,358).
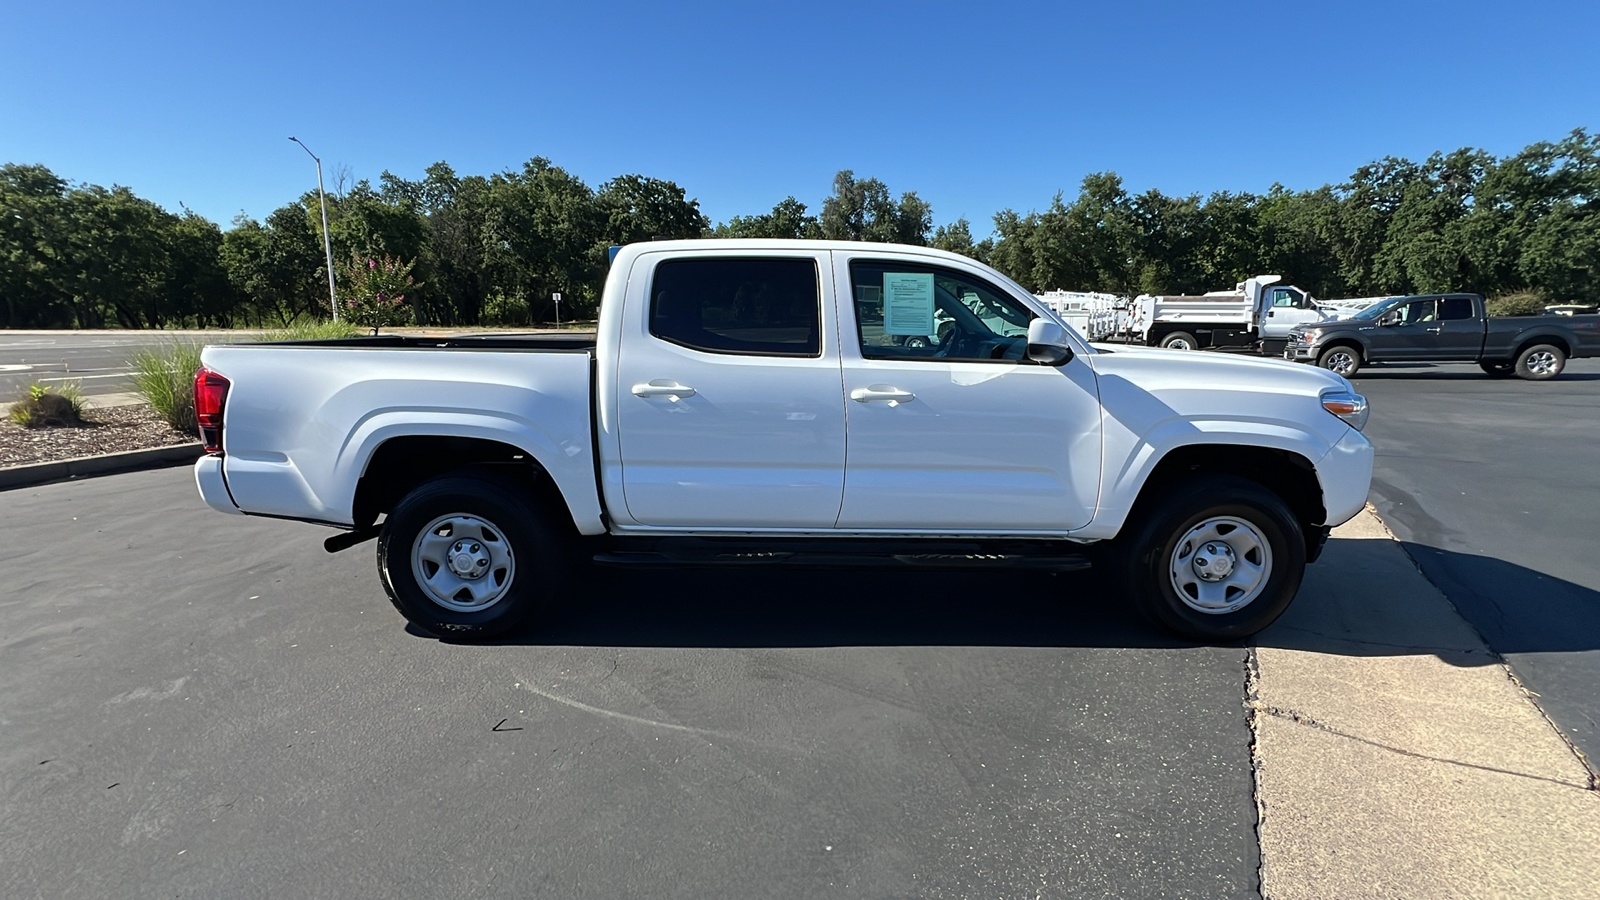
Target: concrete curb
(107,464)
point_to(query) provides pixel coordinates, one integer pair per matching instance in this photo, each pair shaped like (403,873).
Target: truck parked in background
(1447,328)
(1096,316)
(1257,314)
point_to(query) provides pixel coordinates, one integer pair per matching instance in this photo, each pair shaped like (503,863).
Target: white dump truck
(1257,314)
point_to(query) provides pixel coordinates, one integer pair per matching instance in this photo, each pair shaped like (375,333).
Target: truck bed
(303,418)
(566,341)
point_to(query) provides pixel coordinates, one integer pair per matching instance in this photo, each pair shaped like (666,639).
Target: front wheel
(1343,360)
(1541,362)
(1218,559)
(467,557)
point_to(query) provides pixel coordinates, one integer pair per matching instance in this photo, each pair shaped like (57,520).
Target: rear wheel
(468,557)
(1180,340)
(1219,558)
(1343,359)
(1499,369)
(1541,362)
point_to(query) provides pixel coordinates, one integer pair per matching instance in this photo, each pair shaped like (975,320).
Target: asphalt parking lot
(197,705)
(1494,488)
(206,706)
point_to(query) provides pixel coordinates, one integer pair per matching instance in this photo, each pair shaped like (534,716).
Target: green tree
(787,220)
(34,226)
(863,210)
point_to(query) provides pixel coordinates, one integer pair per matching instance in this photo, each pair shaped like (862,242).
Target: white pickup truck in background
(757,403)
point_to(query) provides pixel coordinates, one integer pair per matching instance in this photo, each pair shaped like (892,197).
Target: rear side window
(1455,308)
(753,307)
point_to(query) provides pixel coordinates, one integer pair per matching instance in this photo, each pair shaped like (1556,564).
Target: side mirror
(1047,343)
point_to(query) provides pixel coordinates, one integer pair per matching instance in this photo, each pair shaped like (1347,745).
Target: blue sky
(977,107)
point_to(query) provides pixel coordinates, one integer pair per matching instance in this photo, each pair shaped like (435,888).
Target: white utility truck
(1097,316)
(755,402)
(1257,314)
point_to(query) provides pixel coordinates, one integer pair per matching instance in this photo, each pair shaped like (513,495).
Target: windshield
(1376,310)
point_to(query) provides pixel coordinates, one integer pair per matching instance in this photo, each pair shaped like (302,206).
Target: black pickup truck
(1447,328)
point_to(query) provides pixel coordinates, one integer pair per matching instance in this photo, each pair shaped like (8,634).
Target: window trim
(934,266)
(817,276)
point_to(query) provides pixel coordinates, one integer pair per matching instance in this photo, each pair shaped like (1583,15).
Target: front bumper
(1300,350)
(1346,477)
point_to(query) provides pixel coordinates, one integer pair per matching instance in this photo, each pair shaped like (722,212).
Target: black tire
(512,527)
(916,342)
(1499,369)
(1151,553)
(1179,340)
(1341,358)
(1541,362)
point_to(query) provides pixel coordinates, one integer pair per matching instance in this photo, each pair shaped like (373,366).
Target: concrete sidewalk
(1396,756)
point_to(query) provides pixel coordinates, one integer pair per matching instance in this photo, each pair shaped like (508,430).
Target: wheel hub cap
(1214,561)
(463,562)
(468,559)
(1220,565)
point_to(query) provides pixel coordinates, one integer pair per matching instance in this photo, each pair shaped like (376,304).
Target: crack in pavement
(1299,718)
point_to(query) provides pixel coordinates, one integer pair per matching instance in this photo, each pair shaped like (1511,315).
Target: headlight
(1311,335)
(1347,405)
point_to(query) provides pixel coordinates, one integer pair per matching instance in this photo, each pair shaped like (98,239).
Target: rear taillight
(210,393)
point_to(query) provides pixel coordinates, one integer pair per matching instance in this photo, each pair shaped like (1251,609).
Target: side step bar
(826,558)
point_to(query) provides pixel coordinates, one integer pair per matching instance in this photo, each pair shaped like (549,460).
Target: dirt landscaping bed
(109,430)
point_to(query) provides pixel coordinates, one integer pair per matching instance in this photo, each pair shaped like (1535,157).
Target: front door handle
(1434,330)
(881,392)
(663,387)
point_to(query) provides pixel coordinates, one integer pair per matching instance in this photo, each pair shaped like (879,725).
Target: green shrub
(500,310)
(40,406)
(312,331)
(1522,303)
(164,377)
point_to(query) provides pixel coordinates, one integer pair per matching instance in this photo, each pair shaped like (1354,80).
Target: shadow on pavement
(1364,597)
(1427,372)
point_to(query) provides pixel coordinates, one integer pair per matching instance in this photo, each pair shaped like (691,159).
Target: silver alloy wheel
(1542,363)
(463,562)
(1221,565)
(1179,344)
(1341,361)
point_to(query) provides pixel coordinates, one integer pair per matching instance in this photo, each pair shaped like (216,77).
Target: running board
(706,557)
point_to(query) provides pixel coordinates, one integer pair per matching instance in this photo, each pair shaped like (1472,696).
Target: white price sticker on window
(908,303)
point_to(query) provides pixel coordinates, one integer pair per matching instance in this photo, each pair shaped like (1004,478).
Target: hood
(1216,370)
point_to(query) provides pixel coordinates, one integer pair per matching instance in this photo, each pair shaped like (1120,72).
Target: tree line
(492,249)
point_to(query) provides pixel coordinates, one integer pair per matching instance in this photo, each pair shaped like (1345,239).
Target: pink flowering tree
(375,292)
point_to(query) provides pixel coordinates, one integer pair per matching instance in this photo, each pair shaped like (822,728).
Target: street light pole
(327,244)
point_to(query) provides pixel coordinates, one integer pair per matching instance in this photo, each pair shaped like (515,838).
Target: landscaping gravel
(109,430)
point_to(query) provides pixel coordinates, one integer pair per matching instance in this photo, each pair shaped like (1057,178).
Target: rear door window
(1455,308)
(751,307)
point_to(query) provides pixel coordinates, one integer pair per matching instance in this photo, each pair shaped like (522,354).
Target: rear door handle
(663,387)
(881,392)
(1432,330)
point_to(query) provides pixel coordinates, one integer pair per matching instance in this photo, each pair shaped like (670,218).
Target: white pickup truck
(754,402)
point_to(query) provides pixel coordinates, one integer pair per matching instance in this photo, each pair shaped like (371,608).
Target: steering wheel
(950,344)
